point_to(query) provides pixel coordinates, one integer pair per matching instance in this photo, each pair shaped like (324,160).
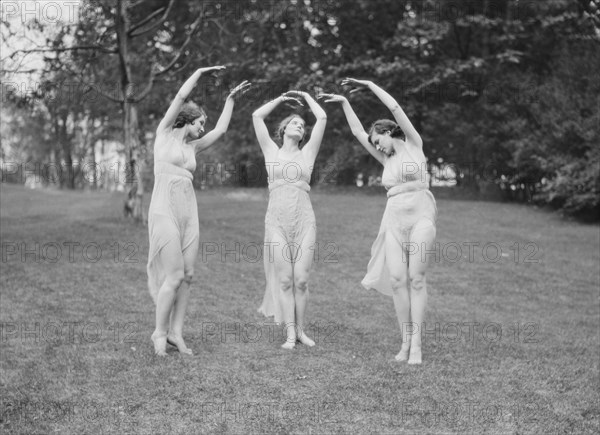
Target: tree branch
(144,93)
(79,77)
(146,20)
(132,31)
(28,71)
(182,68)
(59,50)
(135,4)
(154,73)
(107,96)
(193,30)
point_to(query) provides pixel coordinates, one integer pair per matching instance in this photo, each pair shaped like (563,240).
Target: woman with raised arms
(398,255)
(173,215)
(290,229)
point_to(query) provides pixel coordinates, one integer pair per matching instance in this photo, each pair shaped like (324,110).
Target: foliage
(505,91)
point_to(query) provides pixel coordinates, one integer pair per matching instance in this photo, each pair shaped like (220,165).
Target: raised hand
(296,93)
(211,68)
(332,98)
(185,90)
(293,96)
(240,89)
(358,85)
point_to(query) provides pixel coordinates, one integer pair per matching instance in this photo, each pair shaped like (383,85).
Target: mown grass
(77,358)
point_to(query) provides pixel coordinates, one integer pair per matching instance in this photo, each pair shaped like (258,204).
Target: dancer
(173,214)
(398,261)
(290,229)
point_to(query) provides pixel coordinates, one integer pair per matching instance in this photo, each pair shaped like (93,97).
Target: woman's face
(295,129)
(383,142)
(196,128)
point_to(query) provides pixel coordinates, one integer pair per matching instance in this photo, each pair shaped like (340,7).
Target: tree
(146,46)
(502,90)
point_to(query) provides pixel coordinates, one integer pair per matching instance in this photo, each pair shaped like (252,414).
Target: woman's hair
(189,112)
(283,124)
(382,125)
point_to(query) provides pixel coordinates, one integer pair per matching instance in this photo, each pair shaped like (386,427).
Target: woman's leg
(171,260)
(283,267)
(175,336)
(302,265)
(422,238)
(397,263)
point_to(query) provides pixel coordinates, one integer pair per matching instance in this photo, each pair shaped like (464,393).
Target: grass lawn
(511,344)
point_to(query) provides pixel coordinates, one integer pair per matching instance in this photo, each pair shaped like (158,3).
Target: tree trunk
(93,175)
(130,119)
(134,170)
(65,140)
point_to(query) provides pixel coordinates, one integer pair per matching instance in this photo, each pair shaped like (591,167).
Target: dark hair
(383,125)
(283,124)
(189,112)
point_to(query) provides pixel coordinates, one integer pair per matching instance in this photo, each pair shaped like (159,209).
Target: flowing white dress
(289,218)
(172,218)
(409,202)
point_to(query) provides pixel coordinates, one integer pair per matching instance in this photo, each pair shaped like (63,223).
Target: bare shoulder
(309,156)
(416,143)
(270,154)
(164,138)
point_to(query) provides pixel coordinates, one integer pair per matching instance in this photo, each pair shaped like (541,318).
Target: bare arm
(412,136)
(185,90)
(223,123)
(267,144)
(311,149)
(355,125)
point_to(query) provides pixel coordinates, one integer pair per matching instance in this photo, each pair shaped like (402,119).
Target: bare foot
(403,354)
(303,338)
(415,355)
(178,342)
(160,343)
(289,344)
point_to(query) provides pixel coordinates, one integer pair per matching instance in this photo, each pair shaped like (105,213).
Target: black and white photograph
(300,217)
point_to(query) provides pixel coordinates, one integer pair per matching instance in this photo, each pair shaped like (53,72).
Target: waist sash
(171,169)
(412,186)
(300,184)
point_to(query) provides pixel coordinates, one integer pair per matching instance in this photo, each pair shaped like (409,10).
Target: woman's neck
(289,146)
(397,145)
(180,134)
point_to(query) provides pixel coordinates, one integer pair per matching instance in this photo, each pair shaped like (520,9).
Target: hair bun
(382,125)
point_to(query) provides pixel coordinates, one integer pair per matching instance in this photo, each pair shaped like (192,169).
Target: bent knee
(398,283)
(301,283)
(418,282)
(188,276)
(175,278)
(285,283)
